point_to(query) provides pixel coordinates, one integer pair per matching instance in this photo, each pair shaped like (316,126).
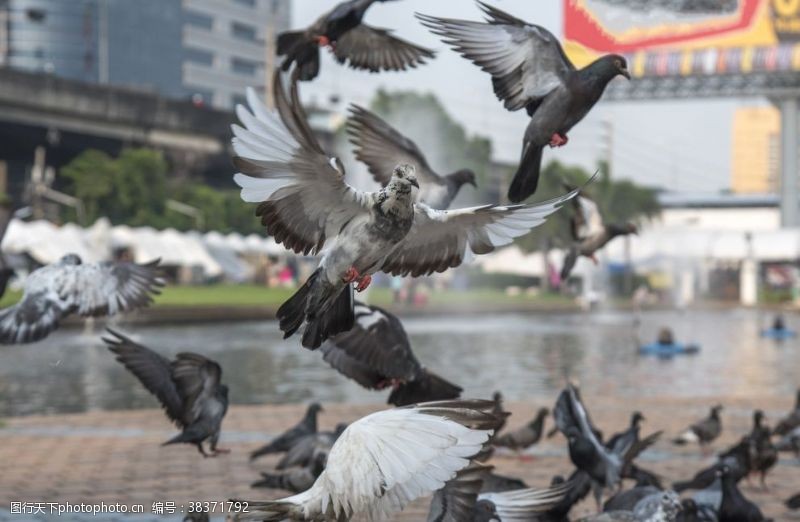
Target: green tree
(140,187)
(91,179)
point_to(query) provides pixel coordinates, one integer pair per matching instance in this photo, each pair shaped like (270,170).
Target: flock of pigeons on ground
(432,441)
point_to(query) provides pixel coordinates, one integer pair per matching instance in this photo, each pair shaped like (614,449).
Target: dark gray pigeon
(735,507)
(284,442)
(791,421)
(524,436)
(376,353)
(350,40)
(188,388)
(703,432)
(530,70)
(306,204)
(295,479)
(589,233)
(604,465)
(72,287)
(380,147)
(302,452)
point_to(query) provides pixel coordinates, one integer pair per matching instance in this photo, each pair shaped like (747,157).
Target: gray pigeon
(530,70)
(380,147)
(376,353)
(703,432)
(188,388)
(306,205)
(72,287)
(295,479)
(302,452)
(363,47)
(525,436)
(604,465)
(285,441)
(589,232)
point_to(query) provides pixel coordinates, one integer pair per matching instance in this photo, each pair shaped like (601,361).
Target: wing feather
(374,49)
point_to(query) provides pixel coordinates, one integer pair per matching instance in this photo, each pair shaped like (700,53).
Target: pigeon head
(498,397)
(636,418)
(607,67)
(340,429)
(463,176)
(715,410)
(542,412)
(314,408)
(758,416)
(616,229)
(71,260)
(556,480)
(404,177)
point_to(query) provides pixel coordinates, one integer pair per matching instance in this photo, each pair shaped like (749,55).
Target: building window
(248,3)
(199,20)
(243,31)
(245,67)
(199,56)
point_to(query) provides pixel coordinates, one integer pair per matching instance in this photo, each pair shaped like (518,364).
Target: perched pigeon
(306,205)
(737,459)
(387,459)
(303,451)
(350,40)
(589,233)
(525,436)
(285,441)
(380,147)
(604,465)
(69,286)
(295,480)
(530,70)
(703,432)
(188,388)
(764,454)
(791,421)
(376,353)
(735,507)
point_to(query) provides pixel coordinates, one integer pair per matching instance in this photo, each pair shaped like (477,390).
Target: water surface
(524,355)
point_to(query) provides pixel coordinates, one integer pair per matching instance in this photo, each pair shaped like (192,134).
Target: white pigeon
(386,460)
(306,204)
(69,286)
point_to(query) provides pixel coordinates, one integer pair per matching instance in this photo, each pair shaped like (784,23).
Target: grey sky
(683,146)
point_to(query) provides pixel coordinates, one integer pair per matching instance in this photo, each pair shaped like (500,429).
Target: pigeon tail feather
(297,48)
(569,263)
(527,177)
(337,318)
(292,313)
(426,387)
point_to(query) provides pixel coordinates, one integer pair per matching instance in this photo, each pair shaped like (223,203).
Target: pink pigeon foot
(351,275)
(363,283)
(557,140)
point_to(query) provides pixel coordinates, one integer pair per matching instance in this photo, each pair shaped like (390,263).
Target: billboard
(686,37)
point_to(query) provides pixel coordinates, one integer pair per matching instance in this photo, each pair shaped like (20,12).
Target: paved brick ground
(116,456)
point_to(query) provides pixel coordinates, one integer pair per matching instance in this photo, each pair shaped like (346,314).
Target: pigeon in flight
(189,388)
(376,353)
(589,233)
(364,47)
(380,147)
(70,286)
(387,459)
(306,204)
(285,441)
(530,70)
(703,432)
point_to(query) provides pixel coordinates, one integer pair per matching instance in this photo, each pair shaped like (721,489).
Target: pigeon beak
(414,182)
(625,72)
